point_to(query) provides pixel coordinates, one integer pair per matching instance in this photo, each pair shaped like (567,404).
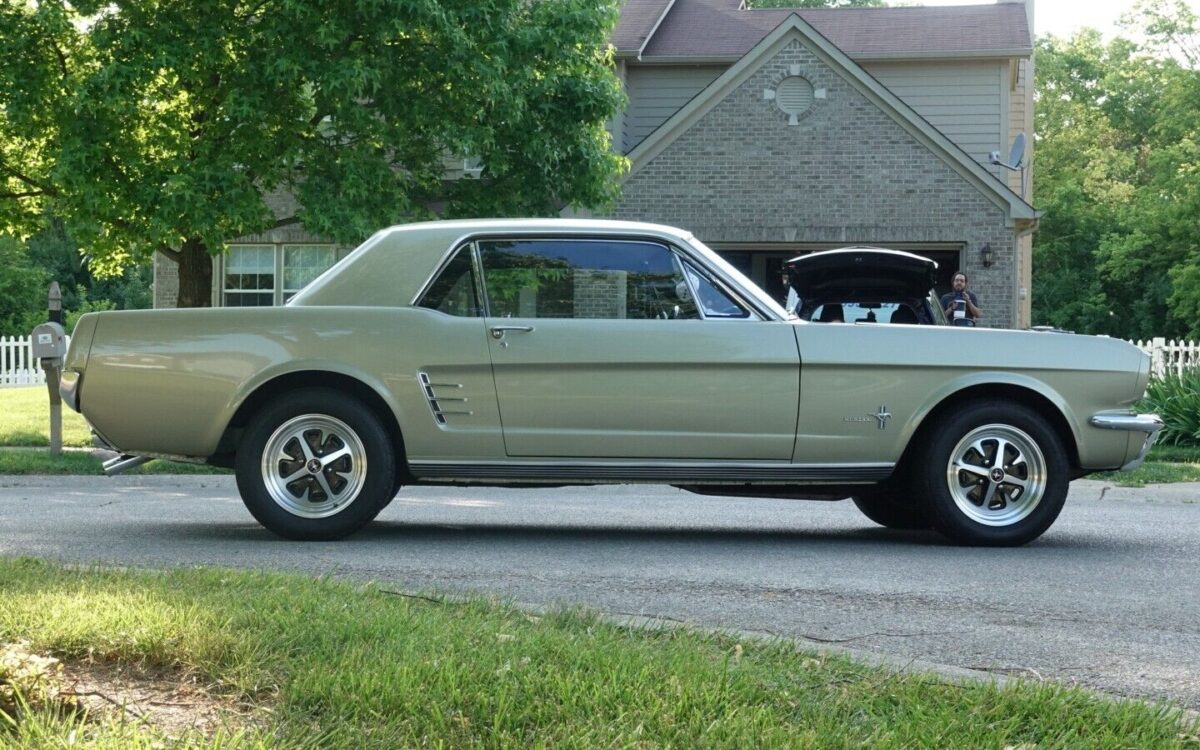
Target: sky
(1064,17)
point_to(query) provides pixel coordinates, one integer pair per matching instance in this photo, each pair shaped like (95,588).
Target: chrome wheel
(997,475)
(313,465)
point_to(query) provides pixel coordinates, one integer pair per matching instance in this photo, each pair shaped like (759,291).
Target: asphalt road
(1108,598)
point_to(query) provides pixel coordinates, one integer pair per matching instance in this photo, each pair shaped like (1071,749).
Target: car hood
(861,272)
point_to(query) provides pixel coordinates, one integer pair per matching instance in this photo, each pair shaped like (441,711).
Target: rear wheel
(315,465)
(992,474)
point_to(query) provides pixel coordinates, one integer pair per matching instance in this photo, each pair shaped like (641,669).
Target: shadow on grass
(24,439)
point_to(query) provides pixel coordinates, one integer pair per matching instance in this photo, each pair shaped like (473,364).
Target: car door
(619,348)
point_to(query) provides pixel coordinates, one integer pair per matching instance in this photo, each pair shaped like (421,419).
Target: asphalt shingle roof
(718,29)
(638,18)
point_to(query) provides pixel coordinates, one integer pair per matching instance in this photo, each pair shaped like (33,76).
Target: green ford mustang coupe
(556,352)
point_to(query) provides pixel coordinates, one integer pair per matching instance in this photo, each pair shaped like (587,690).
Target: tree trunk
(195,275)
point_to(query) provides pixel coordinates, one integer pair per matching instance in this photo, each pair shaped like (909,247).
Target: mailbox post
(50,346)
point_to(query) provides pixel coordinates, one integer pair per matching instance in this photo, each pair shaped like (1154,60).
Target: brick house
(769,133)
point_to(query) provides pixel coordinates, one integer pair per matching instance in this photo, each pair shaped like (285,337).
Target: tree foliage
(156,125)
(23,290)
(1118,178)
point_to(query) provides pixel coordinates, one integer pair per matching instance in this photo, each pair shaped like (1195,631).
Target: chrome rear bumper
(1147,423)
(68,388)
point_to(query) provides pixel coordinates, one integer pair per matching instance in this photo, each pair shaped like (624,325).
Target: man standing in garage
(961,305)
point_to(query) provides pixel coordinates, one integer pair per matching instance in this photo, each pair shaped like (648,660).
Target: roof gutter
(983,54)
(970,54)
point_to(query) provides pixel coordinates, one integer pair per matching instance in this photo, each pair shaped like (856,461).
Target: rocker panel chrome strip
(646,472)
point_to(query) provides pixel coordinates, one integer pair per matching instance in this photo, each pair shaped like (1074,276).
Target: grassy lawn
(326,664)
(1166,464)
(25,419)
(1152,472)
(30,461)
(25,424)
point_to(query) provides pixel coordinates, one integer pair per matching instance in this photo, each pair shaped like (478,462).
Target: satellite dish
(1014,156)
(1018,151)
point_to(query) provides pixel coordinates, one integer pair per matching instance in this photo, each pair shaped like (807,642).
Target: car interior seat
(904,314)
(831,314)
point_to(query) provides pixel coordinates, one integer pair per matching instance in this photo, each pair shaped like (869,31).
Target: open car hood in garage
(861,272)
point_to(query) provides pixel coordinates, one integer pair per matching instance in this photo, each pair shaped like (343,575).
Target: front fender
(981,383)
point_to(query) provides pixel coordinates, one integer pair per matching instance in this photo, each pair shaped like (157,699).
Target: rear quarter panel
(168,382)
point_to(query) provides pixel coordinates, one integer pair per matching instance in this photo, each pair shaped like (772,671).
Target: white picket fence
(18,367)
(1170,356)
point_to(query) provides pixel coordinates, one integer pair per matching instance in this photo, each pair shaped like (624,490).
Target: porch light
(986,256)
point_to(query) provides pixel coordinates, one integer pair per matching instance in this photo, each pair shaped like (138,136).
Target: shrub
(1176,398)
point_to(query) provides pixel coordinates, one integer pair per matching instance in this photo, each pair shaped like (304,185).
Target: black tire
(972,499)
(301,494)
(892,510)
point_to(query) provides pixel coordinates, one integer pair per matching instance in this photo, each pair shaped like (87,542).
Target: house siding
(741,175)
(962,99)
(1021,121)
(658,91)
(1016,117)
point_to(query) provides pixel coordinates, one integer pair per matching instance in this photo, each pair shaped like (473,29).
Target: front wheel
(315,465)
(994,474)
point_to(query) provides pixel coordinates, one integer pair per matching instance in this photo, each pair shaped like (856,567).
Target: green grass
(1166,464)
(25,423)
(1152,472)
(358,667)
(1189,454)
(31,461)
(25,419)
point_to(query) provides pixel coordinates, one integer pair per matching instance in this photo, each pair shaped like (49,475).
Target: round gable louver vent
(794,95)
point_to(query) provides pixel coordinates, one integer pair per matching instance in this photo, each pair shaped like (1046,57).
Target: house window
(250,276)
(265,275)
(302,264)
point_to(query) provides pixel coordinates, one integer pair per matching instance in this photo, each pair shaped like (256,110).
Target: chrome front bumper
(1147,423)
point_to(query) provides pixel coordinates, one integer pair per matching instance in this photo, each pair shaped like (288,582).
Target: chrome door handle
(498,331)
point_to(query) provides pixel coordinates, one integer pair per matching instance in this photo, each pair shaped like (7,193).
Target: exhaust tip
(121,464)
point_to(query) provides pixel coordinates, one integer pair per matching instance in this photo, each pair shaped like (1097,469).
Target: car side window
(454,290)
(584,279)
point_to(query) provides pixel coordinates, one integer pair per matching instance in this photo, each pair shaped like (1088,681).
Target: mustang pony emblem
(883,415)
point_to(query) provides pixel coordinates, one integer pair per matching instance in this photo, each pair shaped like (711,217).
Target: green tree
(159,126)
(1117,167)
(52,249)
(23,290)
